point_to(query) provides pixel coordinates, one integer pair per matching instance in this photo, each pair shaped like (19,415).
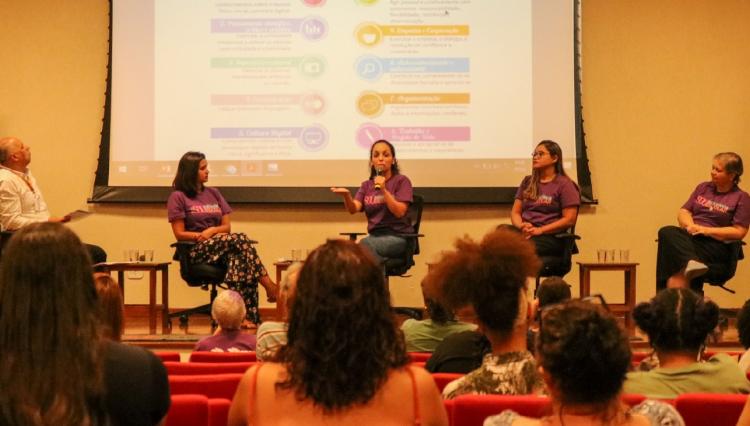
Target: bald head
(14,154)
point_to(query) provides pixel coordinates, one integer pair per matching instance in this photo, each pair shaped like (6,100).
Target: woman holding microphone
(384,197)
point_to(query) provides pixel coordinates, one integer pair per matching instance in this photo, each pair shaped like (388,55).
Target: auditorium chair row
(194,408)
(416,357)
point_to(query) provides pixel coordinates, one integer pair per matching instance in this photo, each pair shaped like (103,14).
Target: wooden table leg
(165,301)
(152,302)
(121,281)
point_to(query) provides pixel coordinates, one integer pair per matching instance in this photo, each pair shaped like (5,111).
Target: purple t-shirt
(373,202)
(553,197)
(718,209)
(228,341)
(200,212)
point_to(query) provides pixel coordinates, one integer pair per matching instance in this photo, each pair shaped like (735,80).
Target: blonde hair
(228,310)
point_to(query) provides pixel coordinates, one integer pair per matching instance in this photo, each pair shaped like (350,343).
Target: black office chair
(560,265)
(203,275)
(720,272)
(399,266)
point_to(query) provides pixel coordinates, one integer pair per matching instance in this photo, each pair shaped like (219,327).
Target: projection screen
(285,97)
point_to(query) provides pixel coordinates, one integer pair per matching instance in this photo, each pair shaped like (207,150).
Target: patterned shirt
(658,413)
(510,373)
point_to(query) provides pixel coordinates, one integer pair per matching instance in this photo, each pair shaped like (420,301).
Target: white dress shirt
(21,201)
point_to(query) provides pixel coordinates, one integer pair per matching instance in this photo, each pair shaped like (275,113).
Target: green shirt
(425,335)
(720,374)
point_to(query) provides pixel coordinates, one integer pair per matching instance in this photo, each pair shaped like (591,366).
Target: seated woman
(716,212)
(547,201)
(272,334)
(345,361)
(228,310)
(55,368)
(384,197)
(199,213)
(491,277)
(110,306)
(677,322)
(425,335)
(583,357)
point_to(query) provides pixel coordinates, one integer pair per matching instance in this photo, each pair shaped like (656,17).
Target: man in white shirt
(21,201)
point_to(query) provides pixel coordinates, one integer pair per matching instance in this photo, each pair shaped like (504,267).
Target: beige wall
(664,87)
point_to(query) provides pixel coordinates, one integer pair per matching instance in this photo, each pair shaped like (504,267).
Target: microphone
(378,171)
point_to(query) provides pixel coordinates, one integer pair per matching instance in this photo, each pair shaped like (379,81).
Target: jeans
(384,246)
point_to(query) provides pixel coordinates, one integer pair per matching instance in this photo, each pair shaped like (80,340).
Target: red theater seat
(168,356)
(190,368)
(218,411)
(442,379)
(223,357)
(471,410)
(212,386)
(420,356)
(188,410)
(713,409)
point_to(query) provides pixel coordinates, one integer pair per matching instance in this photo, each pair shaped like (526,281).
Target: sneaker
(694,269)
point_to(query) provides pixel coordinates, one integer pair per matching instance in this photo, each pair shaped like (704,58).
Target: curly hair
(585,352)
(342,336)
(743,324)
(488,275)
(677,320)
(51,361)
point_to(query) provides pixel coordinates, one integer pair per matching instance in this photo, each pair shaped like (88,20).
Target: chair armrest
(353,235)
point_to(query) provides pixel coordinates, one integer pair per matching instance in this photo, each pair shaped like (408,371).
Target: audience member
(272,334)
(110,307)
(584,356)
(228,310)
(743,331)
(21,200)
(551,291)
(491,276)
(345,361)
(55,368)
(716,212)
(460,352)
(425,335)
(677,322)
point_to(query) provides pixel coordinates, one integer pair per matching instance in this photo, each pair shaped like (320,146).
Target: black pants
(677,247)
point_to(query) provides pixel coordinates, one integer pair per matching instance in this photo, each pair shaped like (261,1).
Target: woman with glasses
(546,201)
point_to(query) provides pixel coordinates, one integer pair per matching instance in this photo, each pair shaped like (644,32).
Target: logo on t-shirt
(711,205)
(374,199)
(544,199)
(205,208)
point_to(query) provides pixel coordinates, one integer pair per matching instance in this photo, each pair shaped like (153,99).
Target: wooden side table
(152,268)
(628,270)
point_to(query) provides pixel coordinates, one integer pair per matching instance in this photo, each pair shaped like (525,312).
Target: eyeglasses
(538,154)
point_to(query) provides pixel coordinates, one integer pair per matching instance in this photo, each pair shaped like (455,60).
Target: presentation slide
(292,93)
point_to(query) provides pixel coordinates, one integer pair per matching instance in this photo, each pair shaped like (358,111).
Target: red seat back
(699,409)
(168,356)
(419,356)
(212,386)
(189,368)
(442,379)
(223,357)
(471,410)
(218,411)
(188,410)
